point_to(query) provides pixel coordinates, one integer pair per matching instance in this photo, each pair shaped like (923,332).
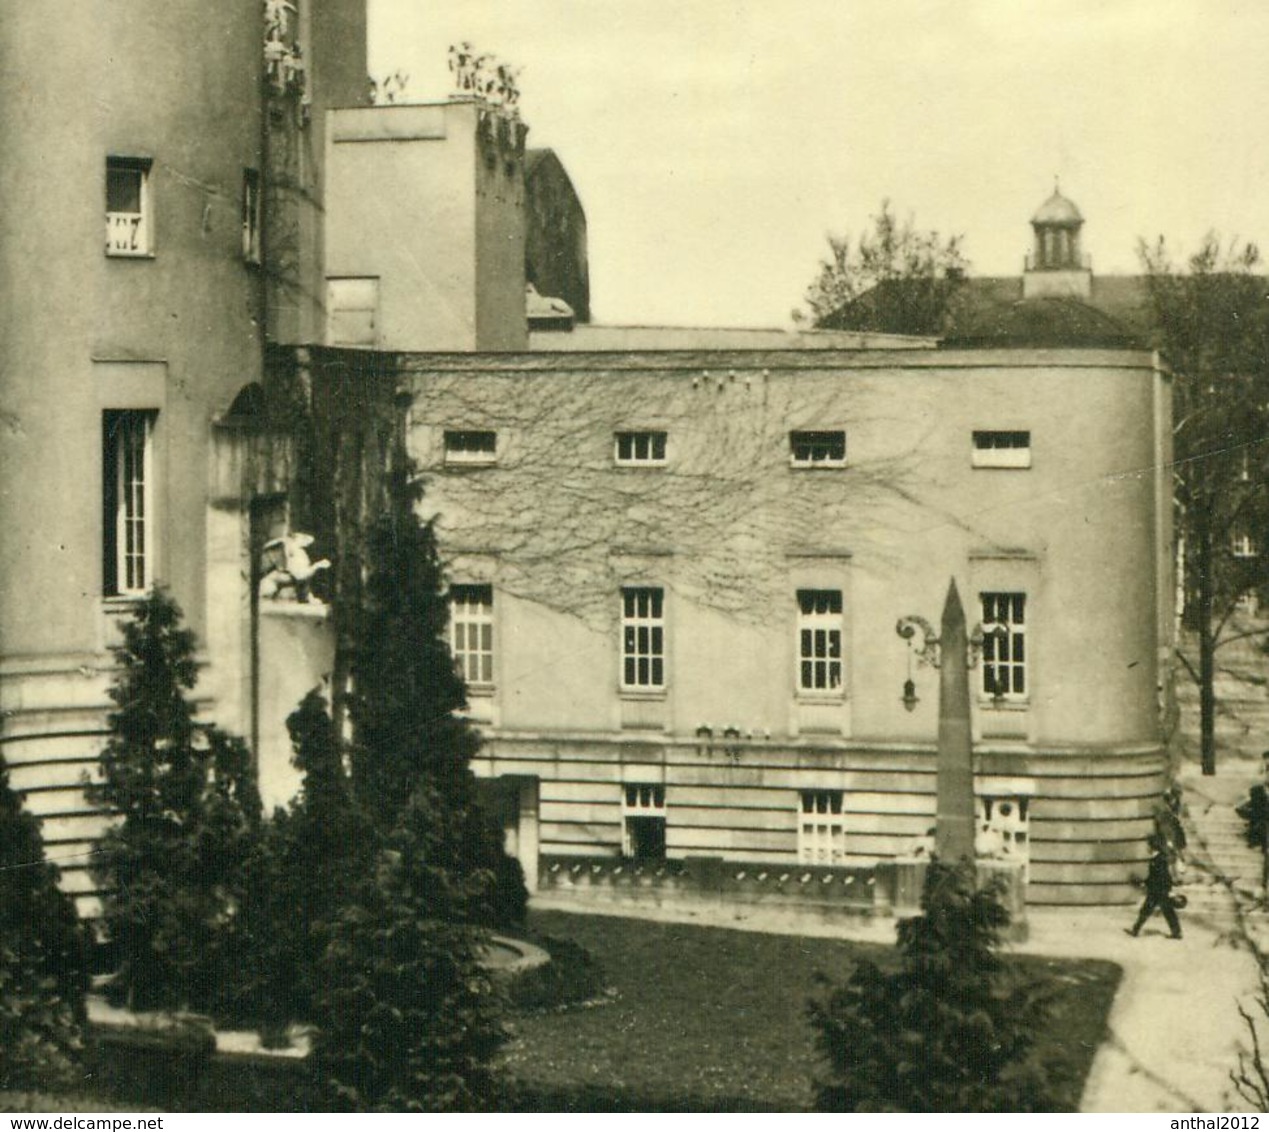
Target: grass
(708,1019)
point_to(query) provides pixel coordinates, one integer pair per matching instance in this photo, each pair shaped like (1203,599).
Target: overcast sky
(715,142)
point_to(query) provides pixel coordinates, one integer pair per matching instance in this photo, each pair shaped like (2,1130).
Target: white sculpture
(288,570)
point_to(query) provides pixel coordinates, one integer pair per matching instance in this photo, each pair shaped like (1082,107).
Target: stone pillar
(954,823)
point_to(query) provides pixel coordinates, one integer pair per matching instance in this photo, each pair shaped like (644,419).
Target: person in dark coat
(1158,892)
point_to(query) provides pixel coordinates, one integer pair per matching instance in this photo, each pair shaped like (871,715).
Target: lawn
(710,1019)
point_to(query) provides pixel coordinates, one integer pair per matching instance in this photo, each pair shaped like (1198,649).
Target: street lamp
(930,652)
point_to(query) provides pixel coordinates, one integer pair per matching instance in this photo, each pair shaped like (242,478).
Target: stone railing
(696,880)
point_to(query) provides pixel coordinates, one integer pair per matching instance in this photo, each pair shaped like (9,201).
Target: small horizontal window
(1002,449)
(640,447)
(817,449)
(471,446)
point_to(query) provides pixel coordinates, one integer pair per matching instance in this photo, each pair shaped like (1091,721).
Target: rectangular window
(128,224)
(817,449)
(471,633)
(471,446)
(128,494)
(821,828)
(251,213)
(643,821)
(1004,645)
(994,449)
(640,447)
(820,640)
(642,638)
(1242,545)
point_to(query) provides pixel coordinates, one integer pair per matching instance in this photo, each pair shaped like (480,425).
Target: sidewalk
(1174,1024)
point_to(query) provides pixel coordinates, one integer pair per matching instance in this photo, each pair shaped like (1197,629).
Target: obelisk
(954,823)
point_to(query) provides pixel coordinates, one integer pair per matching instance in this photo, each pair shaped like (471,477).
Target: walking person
(1158,891)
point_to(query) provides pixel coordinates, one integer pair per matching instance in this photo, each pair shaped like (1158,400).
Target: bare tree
(1212,320)
(894,279)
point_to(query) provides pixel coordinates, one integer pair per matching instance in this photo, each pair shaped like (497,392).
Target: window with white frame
(1004,645)
(643,819)
(643,638)
(128,501)
(820,641)
(471,446)
(821,828)
(128,208)
(252,206)
(818,449)
(471,633)
(634,448)
(1242,544)
(1001,448)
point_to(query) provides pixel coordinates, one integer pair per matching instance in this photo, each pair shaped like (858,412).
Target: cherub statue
(289,568)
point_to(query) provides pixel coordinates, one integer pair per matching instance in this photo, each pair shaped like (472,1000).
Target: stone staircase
(1224,880)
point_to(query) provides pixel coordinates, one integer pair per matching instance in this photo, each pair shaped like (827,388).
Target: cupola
(1057,227)
(1056,264)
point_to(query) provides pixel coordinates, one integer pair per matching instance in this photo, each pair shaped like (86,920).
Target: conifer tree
(188,810)
(312,857)
(43,957)
(407,1018)
(948,1031)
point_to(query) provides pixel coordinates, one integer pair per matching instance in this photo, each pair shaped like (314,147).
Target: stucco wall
(412,203)
(731,531)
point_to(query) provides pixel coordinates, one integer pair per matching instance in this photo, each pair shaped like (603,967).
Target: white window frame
(1005,645)
(128,471)
(640,800)
(817,446)
(462,449)
(1001,448)
(471,633)
(639,448)
(643,639)
(821,827)
(1243,545)
(252,214)
(130,234)
(820,643)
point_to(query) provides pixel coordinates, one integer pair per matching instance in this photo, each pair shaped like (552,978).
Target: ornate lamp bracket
(928,651)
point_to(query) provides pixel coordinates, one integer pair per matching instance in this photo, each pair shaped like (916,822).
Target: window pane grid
(821,828)
(128,488)
(1004,644)
(471,632)
(643,638)
(640,447)
(819,640)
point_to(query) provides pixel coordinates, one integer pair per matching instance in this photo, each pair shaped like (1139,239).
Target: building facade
(140,287)
(677,576)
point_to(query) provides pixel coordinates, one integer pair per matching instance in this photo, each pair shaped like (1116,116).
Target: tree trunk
(1207,657)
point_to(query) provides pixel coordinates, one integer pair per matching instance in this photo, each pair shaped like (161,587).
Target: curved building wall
(730,526)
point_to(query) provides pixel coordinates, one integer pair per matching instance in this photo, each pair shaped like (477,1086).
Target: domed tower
(1056,265)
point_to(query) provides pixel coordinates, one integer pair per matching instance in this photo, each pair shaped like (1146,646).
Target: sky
(715,143)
